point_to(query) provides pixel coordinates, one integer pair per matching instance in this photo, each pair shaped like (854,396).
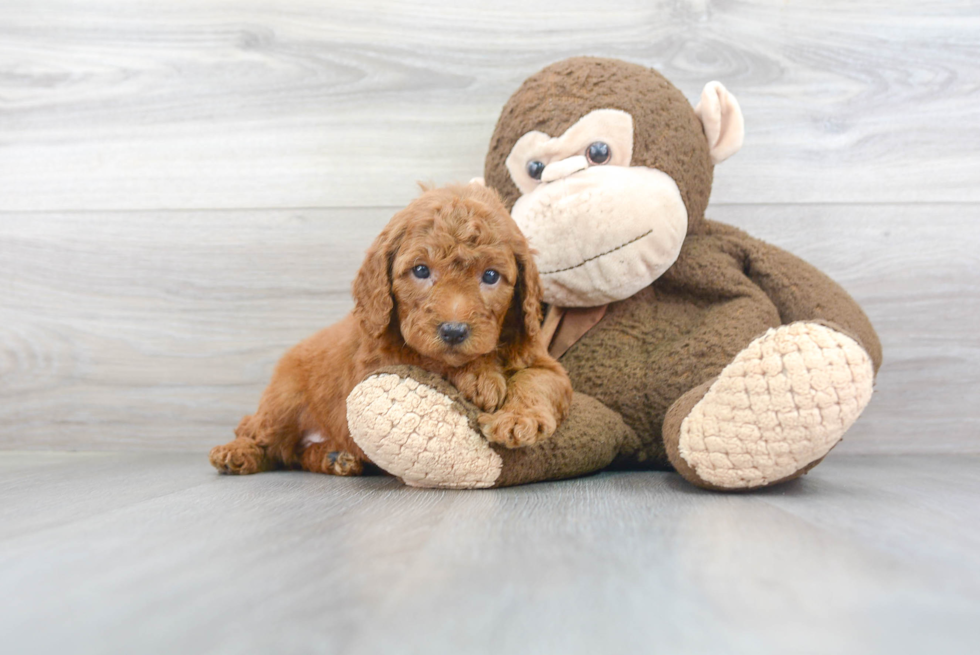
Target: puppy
(450,286)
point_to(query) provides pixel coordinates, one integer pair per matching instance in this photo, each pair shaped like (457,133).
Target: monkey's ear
(722,120)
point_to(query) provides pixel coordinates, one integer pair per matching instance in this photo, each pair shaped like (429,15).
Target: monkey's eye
(421,271)
(534,169)
(490,277)
(598,153)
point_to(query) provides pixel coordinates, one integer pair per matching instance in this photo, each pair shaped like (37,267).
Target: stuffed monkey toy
(691,345)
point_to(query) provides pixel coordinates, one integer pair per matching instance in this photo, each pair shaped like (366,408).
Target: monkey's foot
(417,426)
(774,412)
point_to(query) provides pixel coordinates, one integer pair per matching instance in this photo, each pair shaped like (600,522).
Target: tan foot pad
(419,434)
(783,403)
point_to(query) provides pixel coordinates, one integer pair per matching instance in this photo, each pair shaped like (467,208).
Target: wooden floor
(156,553)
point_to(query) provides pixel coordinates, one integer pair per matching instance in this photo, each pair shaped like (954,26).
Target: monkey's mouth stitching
(601,254)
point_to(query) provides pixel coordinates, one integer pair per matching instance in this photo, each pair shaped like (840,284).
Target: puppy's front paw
(486,391)
(519,426)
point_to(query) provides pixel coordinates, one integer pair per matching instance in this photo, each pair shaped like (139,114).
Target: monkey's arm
(417,426)
(803,293)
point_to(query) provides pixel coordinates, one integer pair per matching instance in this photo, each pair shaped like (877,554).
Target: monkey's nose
(454,333)
(563,168)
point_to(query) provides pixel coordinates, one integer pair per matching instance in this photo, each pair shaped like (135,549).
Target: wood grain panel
(305,103)
(141,329)
(159,330)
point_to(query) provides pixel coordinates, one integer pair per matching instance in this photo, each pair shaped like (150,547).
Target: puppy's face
(452,296)
(452,277)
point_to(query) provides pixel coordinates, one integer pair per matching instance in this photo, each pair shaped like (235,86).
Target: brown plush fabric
(589,440)
(803,293)
(725,289)
(684,329)
(667,134)
(672,432)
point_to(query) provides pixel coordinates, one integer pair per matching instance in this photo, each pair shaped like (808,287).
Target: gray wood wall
(187,188)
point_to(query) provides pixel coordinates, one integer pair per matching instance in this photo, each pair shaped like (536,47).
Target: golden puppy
(449,286)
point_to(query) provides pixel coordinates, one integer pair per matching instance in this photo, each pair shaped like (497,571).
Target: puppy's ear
(525,313)
(531,294)
(373,299)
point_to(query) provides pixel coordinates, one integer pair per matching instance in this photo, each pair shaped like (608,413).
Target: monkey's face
(603,229)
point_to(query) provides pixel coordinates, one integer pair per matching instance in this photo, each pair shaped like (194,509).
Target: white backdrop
(187,188)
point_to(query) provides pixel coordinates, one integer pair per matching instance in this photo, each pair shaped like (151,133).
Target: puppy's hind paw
(239,457)
(343,463)
(318,458)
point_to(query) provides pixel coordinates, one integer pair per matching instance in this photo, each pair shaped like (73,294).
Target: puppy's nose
(454,333)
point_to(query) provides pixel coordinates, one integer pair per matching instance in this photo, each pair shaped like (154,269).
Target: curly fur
(458,232)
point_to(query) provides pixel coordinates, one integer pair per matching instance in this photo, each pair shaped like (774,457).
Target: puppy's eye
(534,169)
(598,153)
(490,276)
(421,271)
